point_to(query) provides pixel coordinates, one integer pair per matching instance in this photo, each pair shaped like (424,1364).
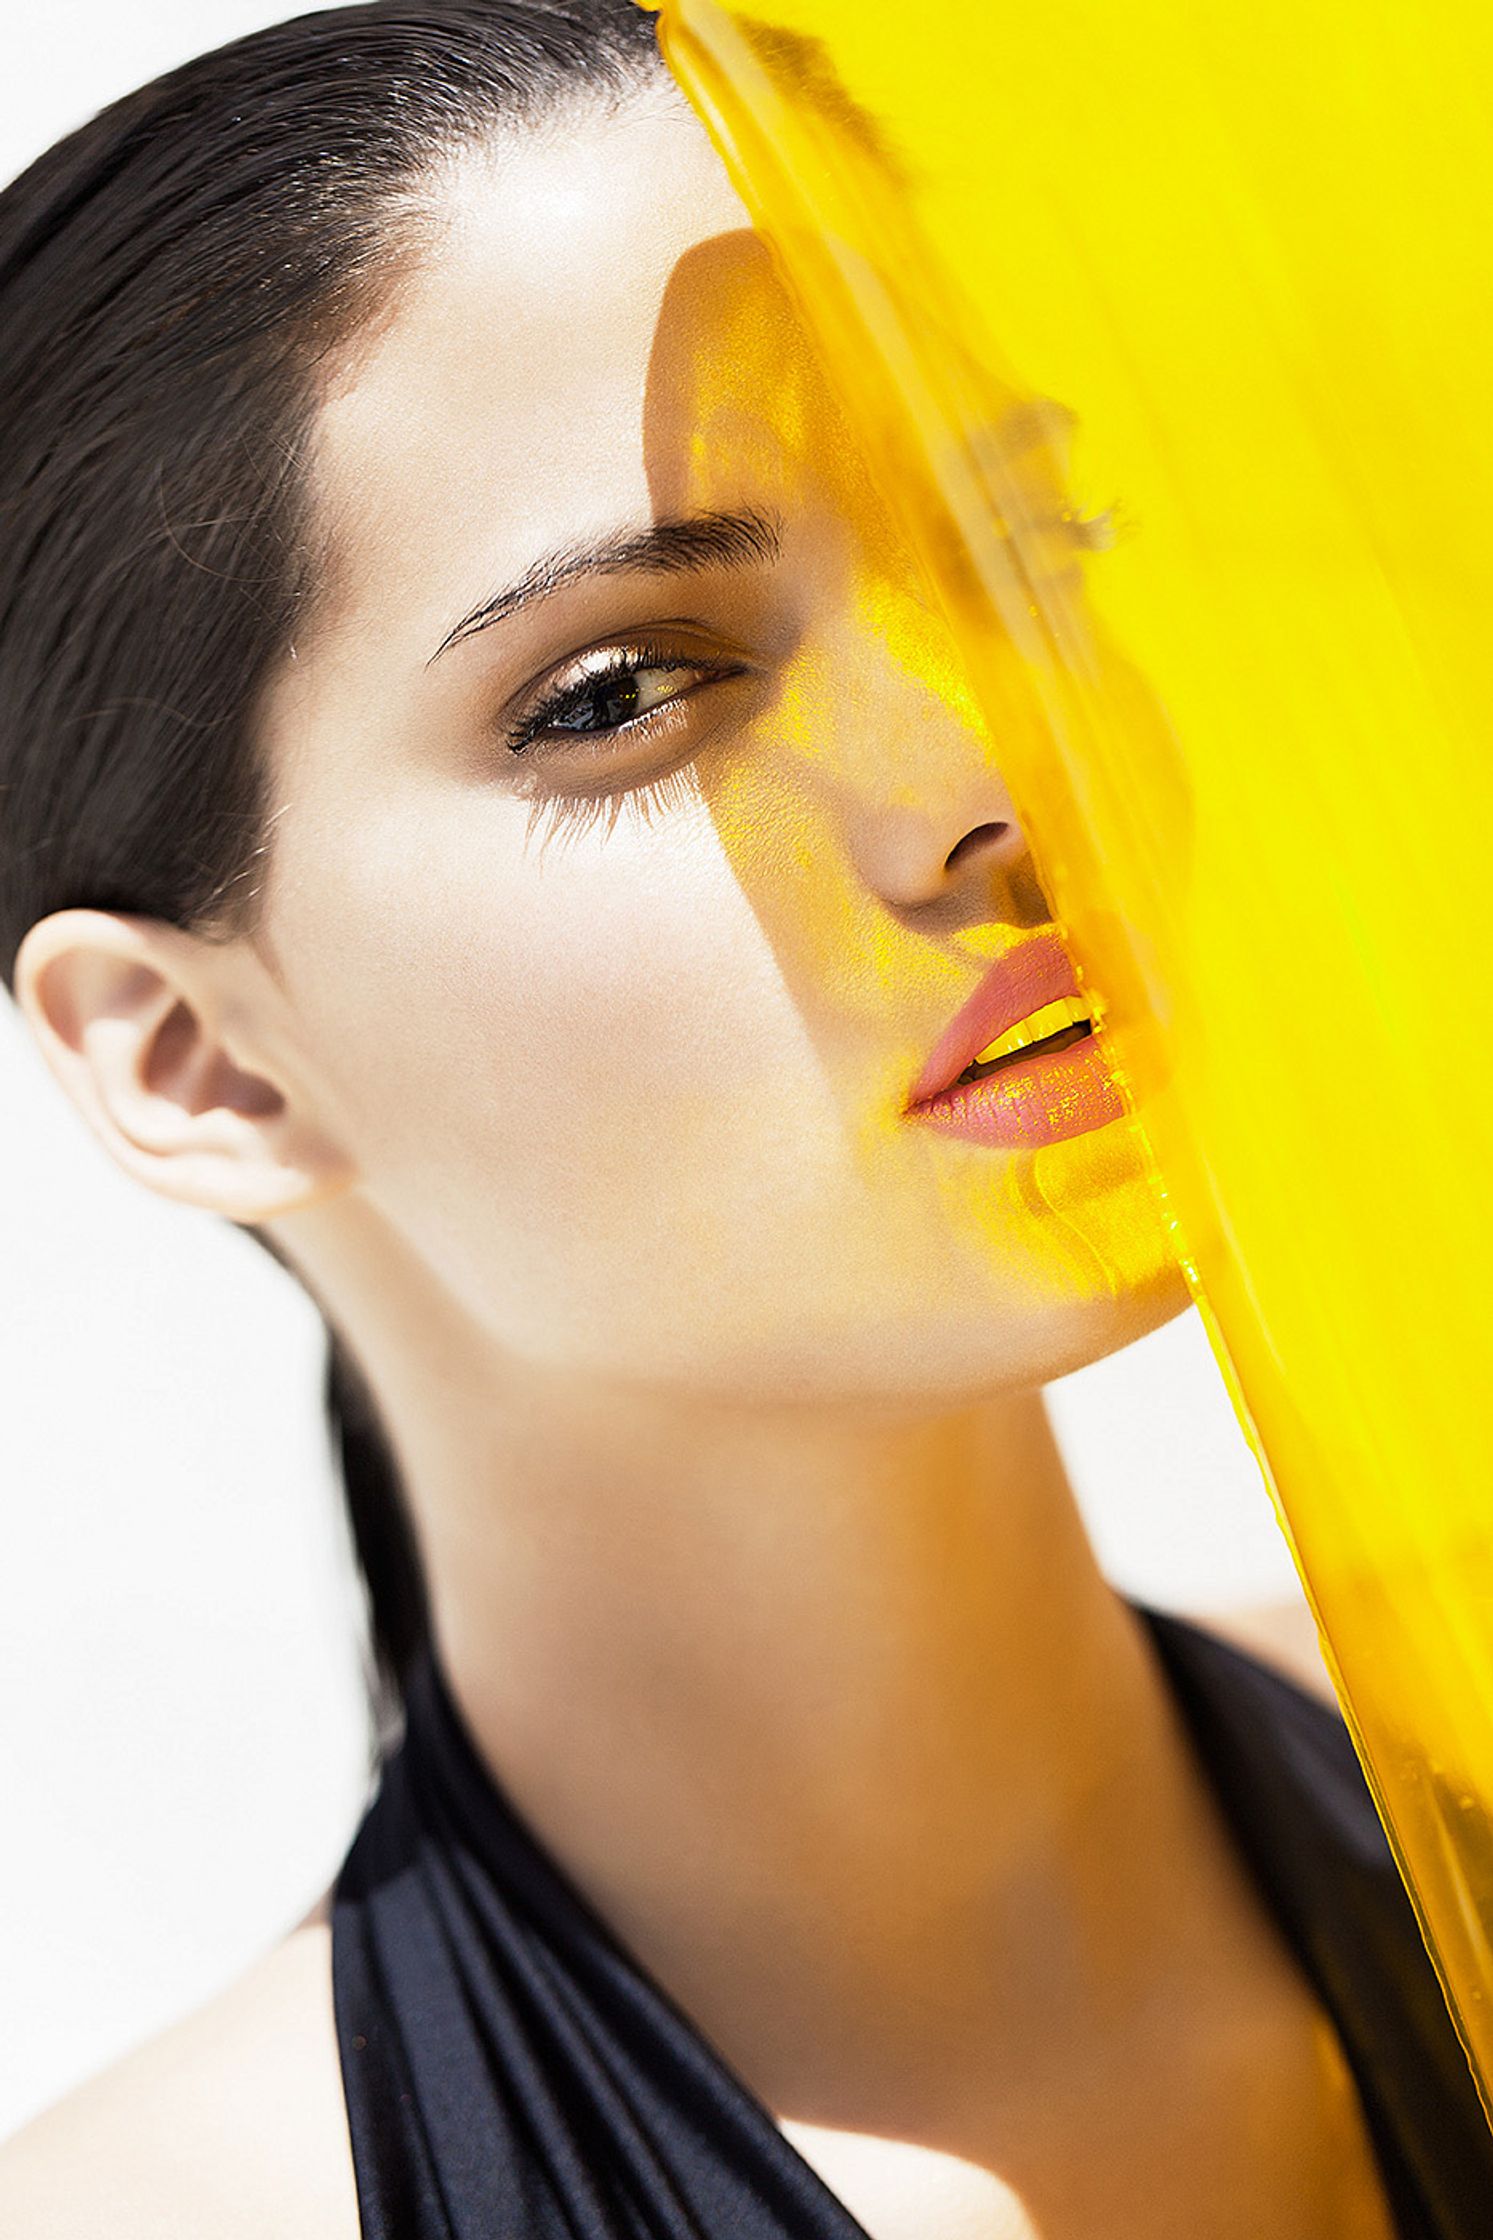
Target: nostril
(977,837)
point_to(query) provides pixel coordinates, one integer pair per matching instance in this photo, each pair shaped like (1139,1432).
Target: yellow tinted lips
(1068,1011)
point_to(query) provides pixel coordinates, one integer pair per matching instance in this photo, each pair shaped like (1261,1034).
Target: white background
(181,1743)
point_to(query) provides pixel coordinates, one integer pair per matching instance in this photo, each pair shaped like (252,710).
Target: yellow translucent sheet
(1228,271)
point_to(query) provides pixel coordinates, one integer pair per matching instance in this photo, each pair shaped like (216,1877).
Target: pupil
(611,701)
(619,700)
(605,704)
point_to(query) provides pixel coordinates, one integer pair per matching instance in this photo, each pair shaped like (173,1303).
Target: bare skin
(715,1381)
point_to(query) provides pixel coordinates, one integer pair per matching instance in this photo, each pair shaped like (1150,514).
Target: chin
(1107,1326)
(908,1362)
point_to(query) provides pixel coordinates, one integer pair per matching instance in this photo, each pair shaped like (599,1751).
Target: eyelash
(673,788)
(630,661)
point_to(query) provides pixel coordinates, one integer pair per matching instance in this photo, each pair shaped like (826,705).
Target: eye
(616,690)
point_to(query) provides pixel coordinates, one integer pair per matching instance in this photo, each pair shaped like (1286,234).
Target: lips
(1033,972)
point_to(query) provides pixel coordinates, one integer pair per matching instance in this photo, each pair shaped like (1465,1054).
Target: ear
(145,1027)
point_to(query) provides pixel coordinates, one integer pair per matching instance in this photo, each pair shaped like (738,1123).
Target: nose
(905,857)
(926,816)
(924,811)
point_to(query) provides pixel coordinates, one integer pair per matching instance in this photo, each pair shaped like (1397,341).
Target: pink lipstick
(1019,1064)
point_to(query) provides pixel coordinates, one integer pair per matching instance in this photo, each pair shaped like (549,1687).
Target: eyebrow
(698,540)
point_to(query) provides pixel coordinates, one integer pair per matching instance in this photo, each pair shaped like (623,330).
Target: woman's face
(614,993)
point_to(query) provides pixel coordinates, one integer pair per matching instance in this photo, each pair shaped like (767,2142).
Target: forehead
(593,337)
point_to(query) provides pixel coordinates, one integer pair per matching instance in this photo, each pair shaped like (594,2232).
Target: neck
(831,1715)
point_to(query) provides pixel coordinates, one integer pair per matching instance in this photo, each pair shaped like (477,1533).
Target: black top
(513,2073)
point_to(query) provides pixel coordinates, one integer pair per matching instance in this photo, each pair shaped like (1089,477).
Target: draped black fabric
(512,2073)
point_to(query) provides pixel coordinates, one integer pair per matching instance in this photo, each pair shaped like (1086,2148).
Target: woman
(491,808)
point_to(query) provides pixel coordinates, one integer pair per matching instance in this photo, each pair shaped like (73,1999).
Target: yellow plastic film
(1168,332)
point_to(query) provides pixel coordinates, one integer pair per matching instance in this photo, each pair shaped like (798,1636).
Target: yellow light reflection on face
(878,710)
(1250,248)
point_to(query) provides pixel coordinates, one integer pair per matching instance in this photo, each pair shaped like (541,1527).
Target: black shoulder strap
(1283,1766)
(511,2072)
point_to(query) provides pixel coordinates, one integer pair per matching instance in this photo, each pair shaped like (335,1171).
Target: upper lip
(1032,972)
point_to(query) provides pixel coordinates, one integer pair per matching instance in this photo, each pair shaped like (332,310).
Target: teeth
(1051,1019)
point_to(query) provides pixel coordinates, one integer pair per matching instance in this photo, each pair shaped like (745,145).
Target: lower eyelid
(574,813)
(564,803)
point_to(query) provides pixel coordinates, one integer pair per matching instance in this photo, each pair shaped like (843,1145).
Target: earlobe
(128,1017)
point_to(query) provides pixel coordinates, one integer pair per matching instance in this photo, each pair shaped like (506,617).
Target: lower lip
(1042,1099)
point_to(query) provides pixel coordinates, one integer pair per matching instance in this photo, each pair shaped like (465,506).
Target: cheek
(577,1084)
(558,1071)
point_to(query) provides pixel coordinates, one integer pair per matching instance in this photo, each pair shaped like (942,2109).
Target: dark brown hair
(171,275)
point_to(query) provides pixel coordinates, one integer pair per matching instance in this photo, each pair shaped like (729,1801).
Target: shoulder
(230,2124)
(1282,1634)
